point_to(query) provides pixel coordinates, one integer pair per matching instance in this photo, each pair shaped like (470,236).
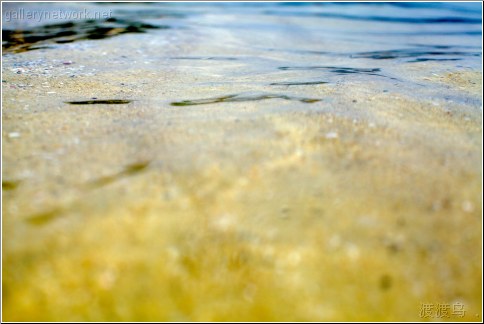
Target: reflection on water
(416,53)
(387,19)
(30,39)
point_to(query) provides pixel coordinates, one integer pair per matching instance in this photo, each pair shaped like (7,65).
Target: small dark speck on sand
(9,184)
(386,282)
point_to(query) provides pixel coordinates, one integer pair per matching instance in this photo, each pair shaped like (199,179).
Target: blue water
(275,44)
(443,26)
(425,31)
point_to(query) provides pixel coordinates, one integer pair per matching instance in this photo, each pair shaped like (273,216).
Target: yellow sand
(360,208)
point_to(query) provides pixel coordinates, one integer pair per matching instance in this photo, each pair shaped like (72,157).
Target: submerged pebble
(468,206)
(331,135)
(14,135)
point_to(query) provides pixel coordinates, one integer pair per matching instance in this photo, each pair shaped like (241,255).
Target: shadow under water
(129,170)
(17,41)
(100,102)
(295,83)
(46,216)
(241,98)
(205,58)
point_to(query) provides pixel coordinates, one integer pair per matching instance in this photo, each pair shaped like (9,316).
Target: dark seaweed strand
(100,102)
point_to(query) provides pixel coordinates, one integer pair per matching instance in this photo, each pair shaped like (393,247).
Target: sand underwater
(255,162)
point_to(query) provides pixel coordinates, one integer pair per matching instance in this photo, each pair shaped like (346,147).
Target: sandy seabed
(352,200)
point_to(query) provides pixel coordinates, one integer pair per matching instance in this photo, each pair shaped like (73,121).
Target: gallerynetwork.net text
(40,15)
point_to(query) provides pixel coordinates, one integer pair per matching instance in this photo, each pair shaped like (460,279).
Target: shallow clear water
(242,161)
(407,32)
(325,42)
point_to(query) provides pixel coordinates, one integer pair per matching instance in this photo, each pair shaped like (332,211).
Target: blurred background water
(291,43)
(452,30)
